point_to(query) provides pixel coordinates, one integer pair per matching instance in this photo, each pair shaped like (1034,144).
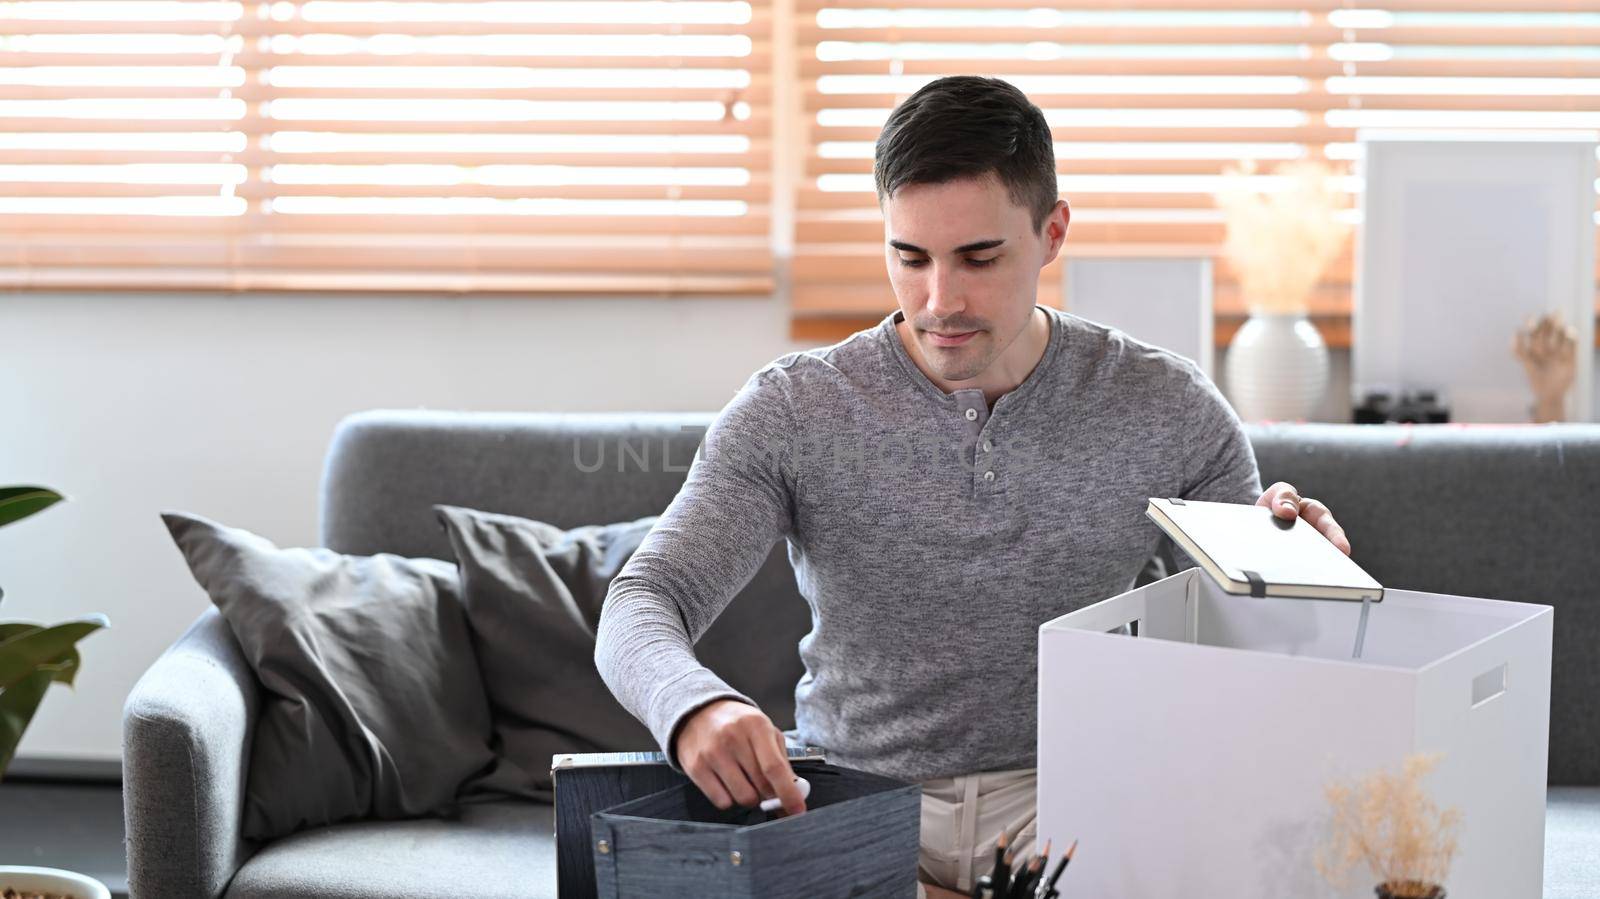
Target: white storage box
(1191,760)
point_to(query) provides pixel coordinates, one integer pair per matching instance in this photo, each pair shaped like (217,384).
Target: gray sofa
(1500,512)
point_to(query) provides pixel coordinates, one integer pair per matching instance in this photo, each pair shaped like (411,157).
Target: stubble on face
(962,223)
(957,363)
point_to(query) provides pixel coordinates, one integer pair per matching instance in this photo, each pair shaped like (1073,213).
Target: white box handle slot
(1488,685)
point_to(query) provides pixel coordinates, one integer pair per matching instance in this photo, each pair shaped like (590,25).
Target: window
(1149,101)
(616,146)
(626,146)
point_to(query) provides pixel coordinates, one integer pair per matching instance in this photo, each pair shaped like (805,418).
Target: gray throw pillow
(371,702)
(533,594)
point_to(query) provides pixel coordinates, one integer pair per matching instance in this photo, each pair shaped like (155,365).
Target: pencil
(1000,877)
(1036,871)
(1050,889)
(1026,878)
(1010,892)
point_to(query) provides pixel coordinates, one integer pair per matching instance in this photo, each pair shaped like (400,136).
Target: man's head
(961,164)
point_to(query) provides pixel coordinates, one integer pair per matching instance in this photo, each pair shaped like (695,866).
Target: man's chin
(956,371)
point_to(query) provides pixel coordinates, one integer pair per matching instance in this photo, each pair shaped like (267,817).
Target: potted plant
(1278,244)
(1388,822)
(32,657)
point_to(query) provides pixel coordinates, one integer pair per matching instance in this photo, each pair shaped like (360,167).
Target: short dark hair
(967,126)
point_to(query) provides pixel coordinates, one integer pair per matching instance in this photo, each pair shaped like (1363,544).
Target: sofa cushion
(371,703)
(387,469)
(504,850)
(533,593)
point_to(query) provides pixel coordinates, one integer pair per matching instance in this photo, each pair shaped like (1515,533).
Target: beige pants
(963,816)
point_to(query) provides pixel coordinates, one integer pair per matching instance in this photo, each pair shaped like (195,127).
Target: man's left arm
(1221,467)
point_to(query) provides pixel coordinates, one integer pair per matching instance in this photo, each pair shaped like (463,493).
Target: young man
(970,468)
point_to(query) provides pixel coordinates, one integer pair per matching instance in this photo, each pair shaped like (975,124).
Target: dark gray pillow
(371,704)
(533,594)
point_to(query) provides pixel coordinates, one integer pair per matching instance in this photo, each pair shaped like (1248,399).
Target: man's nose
(944,297)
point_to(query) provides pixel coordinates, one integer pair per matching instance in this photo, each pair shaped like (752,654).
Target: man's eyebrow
(964,248)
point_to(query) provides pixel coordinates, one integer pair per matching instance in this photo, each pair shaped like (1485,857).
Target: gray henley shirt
(930,535)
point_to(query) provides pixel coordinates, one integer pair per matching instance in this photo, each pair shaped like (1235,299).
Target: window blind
(1149,100)
(591,146)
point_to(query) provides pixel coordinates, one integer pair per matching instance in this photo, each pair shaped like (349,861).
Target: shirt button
(988,476)
(987,446)
(972,415)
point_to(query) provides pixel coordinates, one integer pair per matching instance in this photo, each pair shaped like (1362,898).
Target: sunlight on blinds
(614,146)
(1149,100)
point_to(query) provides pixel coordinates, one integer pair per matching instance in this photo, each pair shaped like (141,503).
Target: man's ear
(1055,230)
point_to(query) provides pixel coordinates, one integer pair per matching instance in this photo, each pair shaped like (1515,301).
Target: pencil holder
(857,837)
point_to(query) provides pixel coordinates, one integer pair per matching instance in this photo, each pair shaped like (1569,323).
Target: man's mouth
(952,338)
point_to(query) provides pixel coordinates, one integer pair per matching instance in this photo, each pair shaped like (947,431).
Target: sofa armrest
(186,732)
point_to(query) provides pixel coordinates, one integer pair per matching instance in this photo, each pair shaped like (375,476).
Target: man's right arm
(736,502)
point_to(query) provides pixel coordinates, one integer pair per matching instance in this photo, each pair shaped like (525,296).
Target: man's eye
(975,263)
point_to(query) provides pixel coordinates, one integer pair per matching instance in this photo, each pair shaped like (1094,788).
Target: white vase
(26,879)
(1277,367)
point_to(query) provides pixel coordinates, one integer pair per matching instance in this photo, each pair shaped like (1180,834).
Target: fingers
(1282,499)
(1318,516)
(1559,339)
(723,781)
(741,763)
(750,766)
(1544,339)
(705,777)
(1286,503)
(735,777)
(777,772)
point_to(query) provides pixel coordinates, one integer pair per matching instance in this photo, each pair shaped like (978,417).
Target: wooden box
(588,782)
(858,837)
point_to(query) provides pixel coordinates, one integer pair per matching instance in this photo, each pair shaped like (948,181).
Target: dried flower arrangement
(1388,822)
(1279,242)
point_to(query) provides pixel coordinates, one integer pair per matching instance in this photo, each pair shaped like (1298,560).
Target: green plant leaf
(17,503)
(18,702)
(65,668)
(22,655)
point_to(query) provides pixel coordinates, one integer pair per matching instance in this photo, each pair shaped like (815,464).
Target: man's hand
(938,892)
(735,754)
(1286,503)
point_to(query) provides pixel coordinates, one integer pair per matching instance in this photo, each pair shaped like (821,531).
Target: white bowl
(52,880)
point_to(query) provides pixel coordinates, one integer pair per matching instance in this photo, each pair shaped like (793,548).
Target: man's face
(964,263)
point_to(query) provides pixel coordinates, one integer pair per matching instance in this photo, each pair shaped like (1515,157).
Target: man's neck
(1005,374)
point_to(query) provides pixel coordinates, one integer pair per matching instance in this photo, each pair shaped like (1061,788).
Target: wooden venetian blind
(1150,99)
(614,146)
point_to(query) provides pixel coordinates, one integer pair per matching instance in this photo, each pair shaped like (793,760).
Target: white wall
(223,405)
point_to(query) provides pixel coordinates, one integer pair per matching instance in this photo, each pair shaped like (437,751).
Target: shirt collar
(1010,399)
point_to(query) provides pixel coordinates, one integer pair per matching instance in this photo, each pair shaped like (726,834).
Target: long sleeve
(1221,465)
(736,502)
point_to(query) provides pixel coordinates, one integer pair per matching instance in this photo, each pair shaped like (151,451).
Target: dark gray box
(858,837)
(588,782)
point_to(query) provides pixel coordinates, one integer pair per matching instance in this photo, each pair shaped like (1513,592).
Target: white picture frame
(1165,301)
(1462,239)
